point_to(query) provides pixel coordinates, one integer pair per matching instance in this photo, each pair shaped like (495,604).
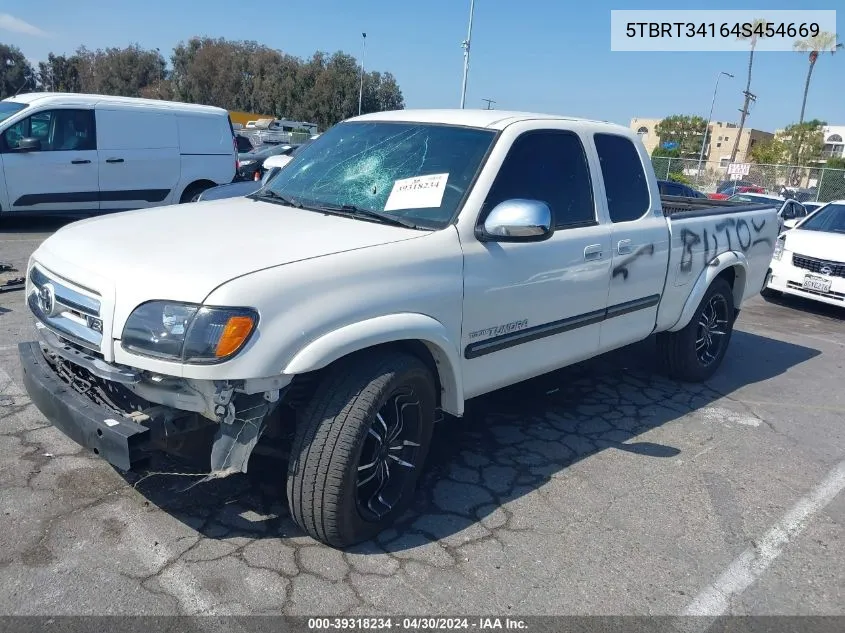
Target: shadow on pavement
(509,444)
(808,306)
(36,224)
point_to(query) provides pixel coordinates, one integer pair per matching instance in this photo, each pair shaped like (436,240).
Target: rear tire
(193,192)
(360,445)
(694,353)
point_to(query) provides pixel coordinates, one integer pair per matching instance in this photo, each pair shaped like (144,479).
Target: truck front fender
(715,267)
(381,330)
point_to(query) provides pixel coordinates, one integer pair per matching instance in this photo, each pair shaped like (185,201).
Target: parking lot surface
(601,489)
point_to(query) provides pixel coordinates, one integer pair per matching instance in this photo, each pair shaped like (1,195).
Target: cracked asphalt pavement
(601,489)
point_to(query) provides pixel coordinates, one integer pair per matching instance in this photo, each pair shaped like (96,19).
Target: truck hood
(818,244)
(183,252)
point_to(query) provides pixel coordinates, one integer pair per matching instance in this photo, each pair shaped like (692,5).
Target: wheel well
(735,276)
(303,385)
(206,184)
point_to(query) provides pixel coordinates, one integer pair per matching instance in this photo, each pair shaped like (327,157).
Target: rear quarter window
(624,178)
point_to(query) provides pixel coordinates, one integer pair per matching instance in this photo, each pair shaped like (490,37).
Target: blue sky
(540,55)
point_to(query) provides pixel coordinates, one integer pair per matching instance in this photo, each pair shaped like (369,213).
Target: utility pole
(465,46)
(709,119)
(361,89)
(489,102)
(749,99)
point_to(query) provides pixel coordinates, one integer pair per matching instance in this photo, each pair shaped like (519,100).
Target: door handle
(114,160)
(623,247)
(79,161)
(593,251)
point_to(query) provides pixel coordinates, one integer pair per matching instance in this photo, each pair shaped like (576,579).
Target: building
(834,145)
(720,139)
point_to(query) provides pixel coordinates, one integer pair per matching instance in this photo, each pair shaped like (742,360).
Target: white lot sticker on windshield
(420,192)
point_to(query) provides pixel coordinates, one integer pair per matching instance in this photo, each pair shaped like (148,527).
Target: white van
(64,152)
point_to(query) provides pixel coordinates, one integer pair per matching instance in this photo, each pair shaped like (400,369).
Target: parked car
(788,210)
(812,206)
(671,188)
(724,185)
(251,164)
(809,259)
(240,188)
(402,264)
(88,153)
(726,193)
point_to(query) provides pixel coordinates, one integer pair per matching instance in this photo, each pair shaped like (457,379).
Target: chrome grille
(67,311)
(837,269)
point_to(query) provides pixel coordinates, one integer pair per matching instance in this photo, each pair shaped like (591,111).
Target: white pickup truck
(402,264)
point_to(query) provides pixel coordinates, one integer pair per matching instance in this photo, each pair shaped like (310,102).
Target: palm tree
(758,31)
(824,42)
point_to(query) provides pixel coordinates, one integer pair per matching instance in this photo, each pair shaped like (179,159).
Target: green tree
(803,141)
(824,42)
(835,163)
(686,131)
(770,152)
(16,74)
(60,74)
(757,26)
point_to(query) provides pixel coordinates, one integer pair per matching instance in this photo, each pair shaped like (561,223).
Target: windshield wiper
(378,216)
(272,196)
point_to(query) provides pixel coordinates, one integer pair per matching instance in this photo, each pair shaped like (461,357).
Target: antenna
(489,103)
(25,81)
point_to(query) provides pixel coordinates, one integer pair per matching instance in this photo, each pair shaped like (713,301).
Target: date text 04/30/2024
(418,624)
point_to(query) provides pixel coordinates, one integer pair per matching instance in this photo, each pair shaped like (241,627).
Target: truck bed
(678,207)
(700,231)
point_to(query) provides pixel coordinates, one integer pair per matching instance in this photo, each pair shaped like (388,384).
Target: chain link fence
(808,184)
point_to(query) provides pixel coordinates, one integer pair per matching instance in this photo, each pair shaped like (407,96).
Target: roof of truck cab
(69,98)
(493,119)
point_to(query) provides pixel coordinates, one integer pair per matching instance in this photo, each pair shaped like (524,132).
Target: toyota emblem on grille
(826,270)
(47,300)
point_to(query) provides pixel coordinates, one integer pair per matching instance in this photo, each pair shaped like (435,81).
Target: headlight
(779,246)
(243,163)
(188,332)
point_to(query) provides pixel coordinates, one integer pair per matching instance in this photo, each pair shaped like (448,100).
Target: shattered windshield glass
(415,172)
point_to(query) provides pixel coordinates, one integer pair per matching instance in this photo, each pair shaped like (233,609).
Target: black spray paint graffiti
(622,267)
(734,231)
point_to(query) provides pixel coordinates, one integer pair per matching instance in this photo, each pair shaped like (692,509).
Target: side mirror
(790,224)
(29,144)
(517,220)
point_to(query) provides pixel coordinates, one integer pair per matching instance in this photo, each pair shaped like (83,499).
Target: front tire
(359,447)
(766,292)
(694,353)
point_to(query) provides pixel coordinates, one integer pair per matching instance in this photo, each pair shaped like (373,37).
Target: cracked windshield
(414,172)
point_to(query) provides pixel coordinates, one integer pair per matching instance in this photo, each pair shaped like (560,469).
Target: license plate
(817,284)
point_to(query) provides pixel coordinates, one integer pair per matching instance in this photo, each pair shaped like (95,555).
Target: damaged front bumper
(126,437)
(119,440)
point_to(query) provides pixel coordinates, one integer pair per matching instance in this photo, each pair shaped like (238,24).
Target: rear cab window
(625,182)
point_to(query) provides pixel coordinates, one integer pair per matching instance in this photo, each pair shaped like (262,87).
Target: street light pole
(361,89)
(709,119)
(465,46)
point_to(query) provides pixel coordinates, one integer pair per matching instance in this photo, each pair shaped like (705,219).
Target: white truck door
(640,238)
(58,172)
(138,157)
(531,307)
